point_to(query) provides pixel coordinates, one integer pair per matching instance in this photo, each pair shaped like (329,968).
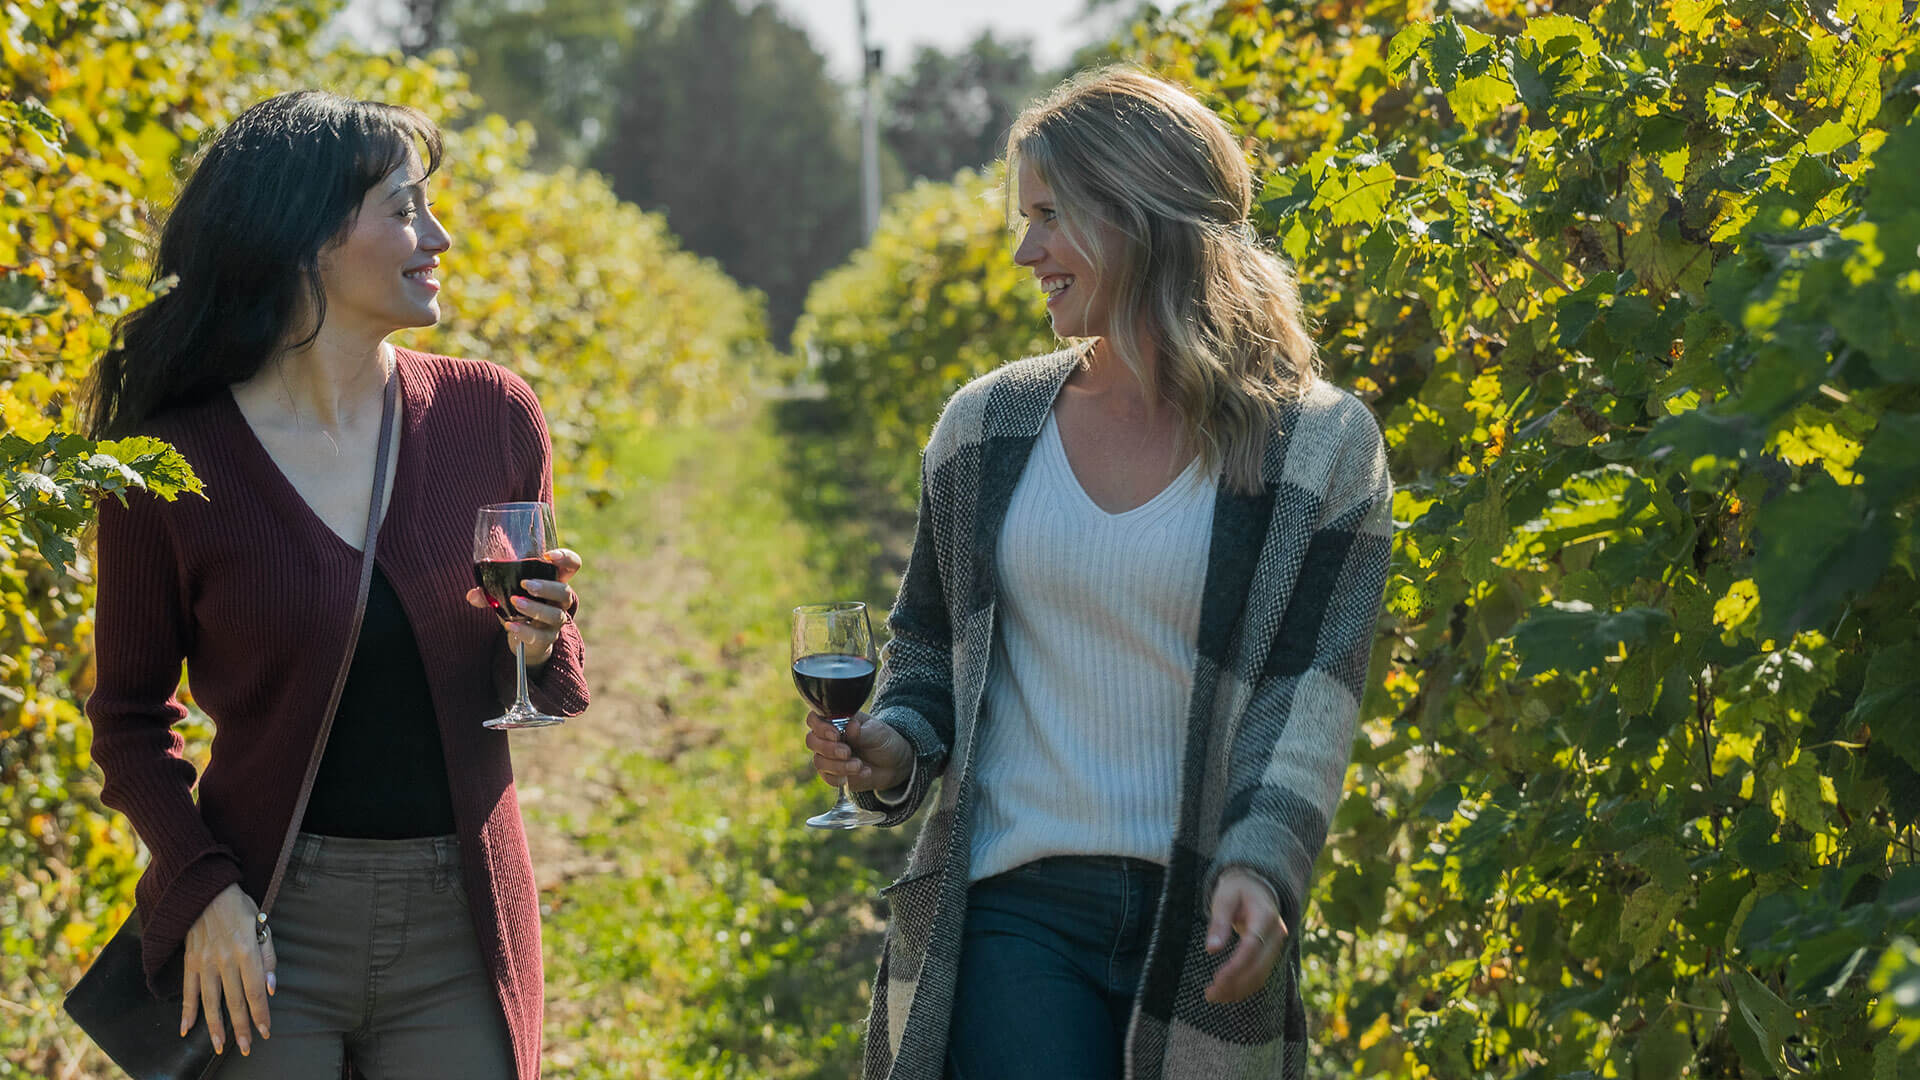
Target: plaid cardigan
(1293,586)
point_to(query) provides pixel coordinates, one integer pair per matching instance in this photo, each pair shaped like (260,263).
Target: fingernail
(219,1046)
(271,984)
(1213,941)
(246,1047)
(184,1028)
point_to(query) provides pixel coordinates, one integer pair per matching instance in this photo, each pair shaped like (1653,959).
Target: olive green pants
(377,963)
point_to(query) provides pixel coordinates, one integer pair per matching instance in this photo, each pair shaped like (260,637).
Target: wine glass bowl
(834,666)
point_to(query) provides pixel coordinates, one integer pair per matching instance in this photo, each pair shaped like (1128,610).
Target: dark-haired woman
(405,936)
(1132,636)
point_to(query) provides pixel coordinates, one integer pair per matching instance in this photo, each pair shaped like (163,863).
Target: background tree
(951,111)
(551,63)
(729,123)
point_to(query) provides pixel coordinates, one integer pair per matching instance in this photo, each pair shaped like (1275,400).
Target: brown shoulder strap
(380,464)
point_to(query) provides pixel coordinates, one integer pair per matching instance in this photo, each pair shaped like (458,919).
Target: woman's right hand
(868,756)
(223,957)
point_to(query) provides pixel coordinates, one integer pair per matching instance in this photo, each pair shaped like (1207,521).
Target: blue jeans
(1050,960)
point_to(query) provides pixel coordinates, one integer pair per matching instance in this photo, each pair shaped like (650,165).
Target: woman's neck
(331,381)
(1103,374)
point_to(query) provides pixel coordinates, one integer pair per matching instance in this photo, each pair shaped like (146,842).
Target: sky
(1055,27)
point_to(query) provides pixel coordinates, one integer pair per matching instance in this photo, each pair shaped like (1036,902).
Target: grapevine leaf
(1829,137)
(1890,463)
(1557,34)
(1886,702)
(1446,50)
(1571,636)
(1664,1049)
(1815,547)
(1645,920)
(1287,193)
(1406,45)
(1765,1020)
(1481,98)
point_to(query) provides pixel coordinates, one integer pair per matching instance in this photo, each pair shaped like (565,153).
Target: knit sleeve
(142,633)
(916,683)
(558,687)
(1292,746)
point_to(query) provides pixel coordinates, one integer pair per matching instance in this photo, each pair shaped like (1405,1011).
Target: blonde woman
(1132,635)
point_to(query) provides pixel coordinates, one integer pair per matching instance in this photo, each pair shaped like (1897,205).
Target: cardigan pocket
(904,881)
(912,903)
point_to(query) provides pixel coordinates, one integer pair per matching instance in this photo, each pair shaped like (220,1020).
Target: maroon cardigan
(254,592)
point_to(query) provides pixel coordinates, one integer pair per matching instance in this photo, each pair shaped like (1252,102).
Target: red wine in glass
(836,685)
(834,668)
(500,579)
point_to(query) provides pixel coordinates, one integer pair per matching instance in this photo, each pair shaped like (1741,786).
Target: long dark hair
(242,248)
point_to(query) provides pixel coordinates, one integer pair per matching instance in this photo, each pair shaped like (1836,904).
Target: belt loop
(306,851)
(443,863)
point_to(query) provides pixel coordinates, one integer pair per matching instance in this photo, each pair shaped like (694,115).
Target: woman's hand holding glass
(547,614)
(868,756)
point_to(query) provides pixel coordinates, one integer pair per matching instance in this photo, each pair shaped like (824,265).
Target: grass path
(694,927)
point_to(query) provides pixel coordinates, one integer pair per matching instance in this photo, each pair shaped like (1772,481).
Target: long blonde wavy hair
(1187,272)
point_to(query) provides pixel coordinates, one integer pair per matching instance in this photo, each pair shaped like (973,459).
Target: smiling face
(1076,302)
(380,276)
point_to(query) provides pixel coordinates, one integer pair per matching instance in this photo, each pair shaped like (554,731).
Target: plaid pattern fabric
(1294,581)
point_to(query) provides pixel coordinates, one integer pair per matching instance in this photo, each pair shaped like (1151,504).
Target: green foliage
(934,300)
(1633,290)
(101,106)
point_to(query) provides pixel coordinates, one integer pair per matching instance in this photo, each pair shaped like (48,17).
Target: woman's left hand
(1245,905)
(555,607)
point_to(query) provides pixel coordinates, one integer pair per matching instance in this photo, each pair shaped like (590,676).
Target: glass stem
(843,802)
(521,702)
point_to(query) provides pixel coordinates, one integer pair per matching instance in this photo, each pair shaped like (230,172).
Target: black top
(383,776)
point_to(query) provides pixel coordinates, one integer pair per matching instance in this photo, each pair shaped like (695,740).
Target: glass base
(518,719)
(846,815)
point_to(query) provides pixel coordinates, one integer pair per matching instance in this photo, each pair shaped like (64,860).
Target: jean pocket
(457,887)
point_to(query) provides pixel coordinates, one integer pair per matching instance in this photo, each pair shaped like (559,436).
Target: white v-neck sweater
(1086,698)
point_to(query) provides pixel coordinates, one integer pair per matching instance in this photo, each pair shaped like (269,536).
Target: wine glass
(833,666)
(510,544)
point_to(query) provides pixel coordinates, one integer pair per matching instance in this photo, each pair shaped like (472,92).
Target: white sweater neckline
(1054,450)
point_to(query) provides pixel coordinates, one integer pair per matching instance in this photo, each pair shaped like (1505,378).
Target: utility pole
(420,33)
(869,127)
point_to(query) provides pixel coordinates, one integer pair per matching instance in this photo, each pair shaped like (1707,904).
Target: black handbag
(112,1003)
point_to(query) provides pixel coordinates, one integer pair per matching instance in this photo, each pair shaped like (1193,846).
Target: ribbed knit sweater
(1092,667)
(255,592)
